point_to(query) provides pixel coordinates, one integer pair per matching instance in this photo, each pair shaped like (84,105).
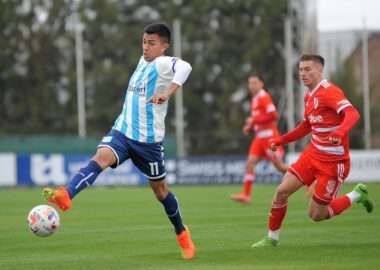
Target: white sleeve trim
(181,70)
(344,106)
(270,108)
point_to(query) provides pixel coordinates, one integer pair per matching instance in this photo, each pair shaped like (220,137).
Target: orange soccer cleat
(59,197)
(187,245)
(241,197)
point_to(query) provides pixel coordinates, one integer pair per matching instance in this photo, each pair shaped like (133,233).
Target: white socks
(354,196)
(274,234)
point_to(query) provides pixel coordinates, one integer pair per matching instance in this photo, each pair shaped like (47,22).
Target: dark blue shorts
(148,157)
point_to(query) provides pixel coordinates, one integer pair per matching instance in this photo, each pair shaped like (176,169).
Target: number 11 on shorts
(153,168)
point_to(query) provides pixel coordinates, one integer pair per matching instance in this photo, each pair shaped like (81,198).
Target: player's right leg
(171,206)
(299,174)
(105,156)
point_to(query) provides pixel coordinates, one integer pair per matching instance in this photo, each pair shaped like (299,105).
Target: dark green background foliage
(224,41)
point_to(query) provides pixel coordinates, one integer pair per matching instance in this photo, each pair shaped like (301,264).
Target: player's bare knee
(316,216)
(281,194)
(249,166)
(160,190)
(104,157)
(160,195)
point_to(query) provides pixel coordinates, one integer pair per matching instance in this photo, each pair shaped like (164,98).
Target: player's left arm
(343,107)
(350,116)
(181,71)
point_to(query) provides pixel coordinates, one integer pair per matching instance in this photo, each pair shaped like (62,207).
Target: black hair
(313,57)
(258,76)
(162,30)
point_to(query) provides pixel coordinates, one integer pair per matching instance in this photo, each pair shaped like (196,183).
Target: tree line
(224,41)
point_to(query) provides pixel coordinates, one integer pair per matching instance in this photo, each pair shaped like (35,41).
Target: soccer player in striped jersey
(139,130)
(262,122)
(329,117)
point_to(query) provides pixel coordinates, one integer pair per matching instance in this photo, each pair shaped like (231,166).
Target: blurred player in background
(329,117)
(262,122)
(139,130)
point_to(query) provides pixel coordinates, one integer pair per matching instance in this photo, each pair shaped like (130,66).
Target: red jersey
(322,107)
(262,104)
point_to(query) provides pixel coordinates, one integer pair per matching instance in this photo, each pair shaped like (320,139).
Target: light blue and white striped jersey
(139,120)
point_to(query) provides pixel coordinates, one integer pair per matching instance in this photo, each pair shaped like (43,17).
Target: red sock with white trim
(338,206)
(277,214)
(249,179)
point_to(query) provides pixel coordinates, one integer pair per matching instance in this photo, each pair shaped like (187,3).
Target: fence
(57,169)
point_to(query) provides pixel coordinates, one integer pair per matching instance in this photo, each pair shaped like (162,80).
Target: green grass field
(126,228)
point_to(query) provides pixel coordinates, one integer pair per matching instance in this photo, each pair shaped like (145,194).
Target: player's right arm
(297,133)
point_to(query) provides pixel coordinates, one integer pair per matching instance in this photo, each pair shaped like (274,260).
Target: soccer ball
(43,220)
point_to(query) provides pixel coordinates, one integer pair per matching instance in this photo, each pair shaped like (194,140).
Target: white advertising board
(8,175)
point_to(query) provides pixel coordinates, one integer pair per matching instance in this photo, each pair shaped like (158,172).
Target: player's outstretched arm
(297,133)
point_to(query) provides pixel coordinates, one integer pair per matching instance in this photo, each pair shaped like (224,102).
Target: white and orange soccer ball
(43,220)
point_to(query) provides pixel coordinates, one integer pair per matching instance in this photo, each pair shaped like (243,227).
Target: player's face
(311,73)
(254,85)
(153,46)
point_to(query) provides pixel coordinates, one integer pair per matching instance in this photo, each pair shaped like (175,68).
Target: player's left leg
(149,158)
(359,194)
(170,203)
(325,205)
(249,180)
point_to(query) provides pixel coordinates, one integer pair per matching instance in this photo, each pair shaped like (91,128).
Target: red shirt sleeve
(265,118)
(350,117)
(337,100)
(297,133)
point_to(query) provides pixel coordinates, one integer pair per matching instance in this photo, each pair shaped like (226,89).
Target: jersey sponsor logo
(139,90)
(315,118)
(316,101)
(343,102)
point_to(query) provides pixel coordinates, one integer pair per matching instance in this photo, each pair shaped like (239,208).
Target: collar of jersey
(317,87)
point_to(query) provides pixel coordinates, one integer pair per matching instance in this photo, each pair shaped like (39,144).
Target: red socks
(337,206)
(277,214)
(249,179)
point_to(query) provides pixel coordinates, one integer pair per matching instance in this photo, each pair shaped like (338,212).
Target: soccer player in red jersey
(329,117)
(262,122)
